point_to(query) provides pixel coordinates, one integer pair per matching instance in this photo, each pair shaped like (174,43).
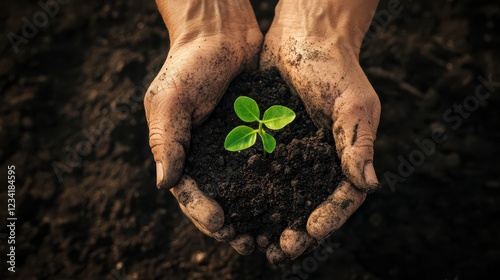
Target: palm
(337,96)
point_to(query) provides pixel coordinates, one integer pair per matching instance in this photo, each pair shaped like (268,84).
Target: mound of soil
(261,194)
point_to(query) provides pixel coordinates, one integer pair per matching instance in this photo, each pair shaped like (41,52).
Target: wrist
(190,19)
(340,22)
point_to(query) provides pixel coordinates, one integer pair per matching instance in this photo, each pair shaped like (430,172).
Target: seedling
(243,137)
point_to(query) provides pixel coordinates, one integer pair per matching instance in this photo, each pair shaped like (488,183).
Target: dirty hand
(317,53)
(211,42)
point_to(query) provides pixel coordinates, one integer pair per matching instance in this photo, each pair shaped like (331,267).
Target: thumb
(169,135)
(355,125)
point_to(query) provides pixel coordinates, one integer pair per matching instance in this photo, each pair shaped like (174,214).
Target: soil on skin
(261,194)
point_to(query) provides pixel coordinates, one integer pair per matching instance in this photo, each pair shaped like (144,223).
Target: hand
(317,53)
(210,44)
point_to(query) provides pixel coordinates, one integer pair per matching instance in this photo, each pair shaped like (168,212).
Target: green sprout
(243,137)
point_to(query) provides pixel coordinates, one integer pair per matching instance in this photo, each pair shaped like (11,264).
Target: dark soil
(72,122)
(264,195)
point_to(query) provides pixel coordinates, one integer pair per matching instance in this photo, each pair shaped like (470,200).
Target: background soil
(71,99)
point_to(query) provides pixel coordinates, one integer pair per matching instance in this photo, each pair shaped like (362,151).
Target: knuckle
(365,139)
(151,92)
(361,104)
(369,98)
(156,136)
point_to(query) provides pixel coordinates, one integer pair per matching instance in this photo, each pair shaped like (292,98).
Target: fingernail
(243,244)
(159,173)
(275,255)
(294,243)
(225,234)
(263,241)
(370,176)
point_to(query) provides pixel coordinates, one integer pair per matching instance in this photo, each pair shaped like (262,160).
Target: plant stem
(260,132)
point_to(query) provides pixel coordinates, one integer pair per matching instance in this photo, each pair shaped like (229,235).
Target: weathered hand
(316,52)
(211,42)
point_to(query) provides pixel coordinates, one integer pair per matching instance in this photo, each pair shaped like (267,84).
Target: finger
(225,234)
(332,213)
(203,210)
(275,255)
(294,242)
(355,125)
(243,244)
(263,242)
(169,132)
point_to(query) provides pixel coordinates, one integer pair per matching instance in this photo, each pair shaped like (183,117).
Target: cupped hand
(209,46)
(320,63)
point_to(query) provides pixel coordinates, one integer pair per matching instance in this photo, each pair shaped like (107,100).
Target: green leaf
(240,138)
(277,116)
(247,109)
(268,141)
